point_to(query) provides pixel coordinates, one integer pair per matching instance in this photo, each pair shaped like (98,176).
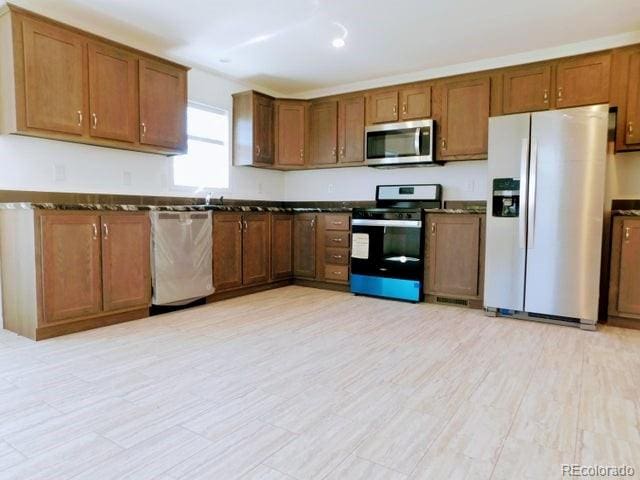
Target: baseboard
(51,331)
(239,292)
(624,322)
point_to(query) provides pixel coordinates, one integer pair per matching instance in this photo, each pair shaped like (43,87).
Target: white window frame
(205,188)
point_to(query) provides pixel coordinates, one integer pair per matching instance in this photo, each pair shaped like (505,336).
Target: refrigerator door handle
(524,174)
(531,207)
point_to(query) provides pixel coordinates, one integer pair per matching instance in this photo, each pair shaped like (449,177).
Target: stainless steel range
(387,243)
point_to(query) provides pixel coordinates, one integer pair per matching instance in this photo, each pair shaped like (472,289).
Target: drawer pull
(337,273)
(627,234)
(337,257)
(336,222)
(338,240)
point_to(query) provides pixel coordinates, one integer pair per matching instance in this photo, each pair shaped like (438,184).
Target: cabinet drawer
(336,239)
(336,222)
(336,273)
(336,256)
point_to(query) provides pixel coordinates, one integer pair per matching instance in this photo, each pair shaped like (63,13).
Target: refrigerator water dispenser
(506,197)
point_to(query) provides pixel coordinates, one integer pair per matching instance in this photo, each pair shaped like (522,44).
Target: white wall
(44,165)
(460,181)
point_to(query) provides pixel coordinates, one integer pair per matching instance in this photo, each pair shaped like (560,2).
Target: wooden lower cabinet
(126,273)
(624,286)
(71,283)
(281,246)
(454,264)
(227,251)
(304,245)
(241,250)
(256,250)
(66,271)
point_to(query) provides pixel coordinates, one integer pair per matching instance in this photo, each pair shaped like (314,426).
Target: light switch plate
(60,173)
(126,178)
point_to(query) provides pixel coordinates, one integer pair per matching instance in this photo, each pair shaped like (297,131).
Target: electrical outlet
(60,173)
(126,178)
(330,188)
(260,187)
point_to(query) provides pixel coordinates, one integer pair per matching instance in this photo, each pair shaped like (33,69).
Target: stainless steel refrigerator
(545,213)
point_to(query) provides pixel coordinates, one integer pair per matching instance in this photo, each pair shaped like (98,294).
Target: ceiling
(285,45)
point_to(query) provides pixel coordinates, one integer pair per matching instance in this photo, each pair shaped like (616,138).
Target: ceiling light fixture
(338,42)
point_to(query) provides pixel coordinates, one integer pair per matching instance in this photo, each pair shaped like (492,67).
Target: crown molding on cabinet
(567,50)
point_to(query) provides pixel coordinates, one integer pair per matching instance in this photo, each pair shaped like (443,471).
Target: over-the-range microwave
(399,144)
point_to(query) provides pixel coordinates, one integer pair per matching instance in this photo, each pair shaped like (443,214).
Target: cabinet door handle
(630,129)
(79,112)
(342,152)
(258,150)
(240,225)
(333,152)
(302,153)
(443,143)
(627,234)
(94,120)
(395,109)
(559,94)
(545,96)
(105,229)
(313,223)
(404,108)
(433,228)
(246,226)
(143,126)
(95,231)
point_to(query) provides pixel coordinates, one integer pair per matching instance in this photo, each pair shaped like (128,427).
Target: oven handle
(387,223)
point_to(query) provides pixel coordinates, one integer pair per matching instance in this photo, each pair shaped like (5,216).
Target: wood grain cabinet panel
(227,251)
(415,103)
(324,133)
(583,81)
(304,245)
(526,89)
(632,132)
(351,123)
(112,93)
(54,88)
(291,133)
(71,278)
(464,126)
(454,253)
(163,105)
(255,248)
(382,106)
(263,131)
(281,246)
(126,276)
(624,287)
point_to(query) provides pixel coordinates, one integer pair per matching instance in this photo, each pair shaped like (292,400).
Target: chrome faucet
(207,198)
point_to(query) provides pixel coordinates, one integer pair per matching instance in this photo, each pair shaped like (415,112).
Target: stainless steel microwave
(397,144)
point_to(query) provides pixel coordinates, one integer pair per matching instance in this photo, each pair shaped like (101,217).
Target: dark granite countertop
(163,208)
(626,213)
(480,210)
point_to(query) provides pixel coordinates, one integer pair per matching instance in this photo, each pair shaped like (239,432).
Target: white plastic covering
(181,263)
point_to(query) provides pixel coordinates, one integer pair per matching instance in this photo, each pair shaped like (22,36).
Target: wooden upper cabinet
(227,251)
(304,245)
(454,252)
(415,102)
(71,280)
(464,123)
(382,106)
(290,133)
(632,127)
(583,81)
(126,276)
(526,89)
(629,278)
(351,123)
(281,246)
(113,94)
(324,133)
(263,129)
(163,105)
(54,88)
(255,249)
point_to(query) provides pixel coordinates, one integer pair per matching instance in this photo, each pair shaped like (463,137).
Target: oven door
(388,248)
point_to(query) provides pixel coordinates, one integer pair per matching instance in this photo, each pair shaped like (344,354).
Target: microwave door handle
(416,141)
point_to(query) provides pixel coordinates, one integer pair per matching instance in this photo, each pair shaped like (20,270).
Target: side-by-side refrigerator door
(506,212)
(565,210)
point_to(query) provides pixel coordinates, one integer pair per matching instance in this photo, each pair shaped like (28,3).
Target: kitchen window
(206,163)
